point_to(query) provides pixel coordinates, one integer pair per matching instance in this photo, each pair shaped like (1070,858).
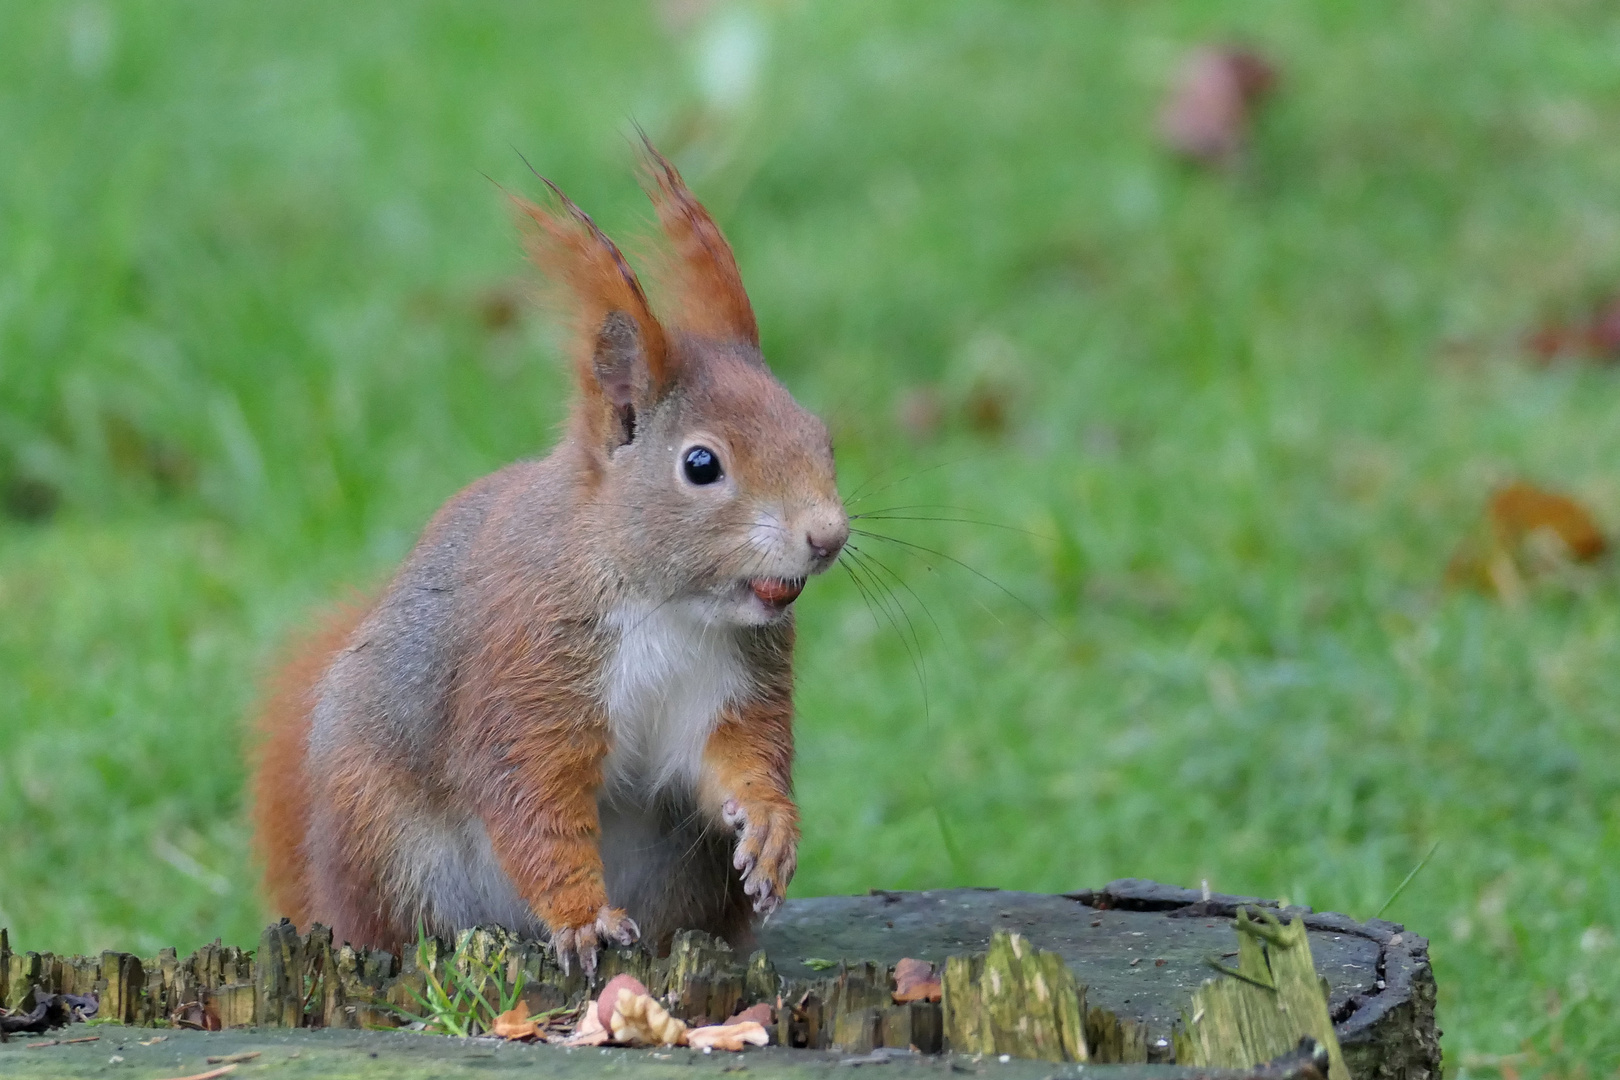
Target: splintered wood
(1258,1011)
(1015,999)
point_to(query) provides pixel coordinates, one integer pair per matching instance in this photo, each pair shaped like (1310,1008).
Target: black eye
(702,465)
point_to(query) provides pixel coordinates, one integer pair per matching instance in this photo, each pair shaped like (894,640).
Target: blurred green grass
(253,292)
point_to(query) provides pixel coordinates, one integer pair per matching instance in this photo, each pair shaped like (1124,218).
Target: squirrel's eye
(701,465)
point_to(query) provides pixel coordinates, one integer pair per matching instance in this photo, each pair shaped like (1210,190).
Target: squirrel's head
(710,483)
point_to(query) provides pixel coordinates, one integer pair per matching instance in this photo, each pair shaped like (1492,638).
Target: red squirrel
(570,712)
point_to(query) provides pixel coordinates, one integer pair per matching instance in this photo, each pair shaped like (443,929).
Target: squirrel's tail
(280,734)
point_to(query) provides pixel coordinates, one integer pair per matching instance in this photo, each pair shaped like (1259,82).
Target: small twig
(209,1075)
(232,1059)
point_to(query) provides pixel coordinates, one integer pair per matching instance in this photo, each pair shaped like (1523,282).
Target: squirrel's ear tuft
(621,356)
(703,273)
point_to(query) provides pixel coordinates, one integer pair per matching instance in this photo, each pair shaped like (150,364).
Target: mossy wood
(1271,997)
(1120,965)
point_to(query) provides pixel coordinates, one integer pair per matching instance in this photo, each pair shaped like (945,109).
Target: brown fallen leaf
(1520,510)
(914,980)
(920,412)
(986,407)
(499,307)
(759,1014)
(728,1036)
(1595,336)
(1528,534)
(514,1024)
(1212,102)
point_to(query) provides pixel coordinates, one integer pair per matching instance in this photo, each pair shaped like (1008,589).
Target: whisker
(910,476)
(880,474)
(877,590)
(919,506)
(915,547)
(919,660)
(869,557)
(858,588)
(879,516)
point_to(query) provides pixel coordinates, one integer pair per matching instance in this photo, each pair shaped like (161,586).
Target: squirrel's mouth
(777,593)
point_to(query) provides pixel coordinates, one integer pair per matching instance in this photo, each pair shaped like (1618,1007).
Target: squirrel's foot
(767,852)
(611,926)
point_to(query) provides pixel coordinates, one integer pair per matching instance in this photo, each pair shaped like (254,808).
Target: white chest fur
(665,684)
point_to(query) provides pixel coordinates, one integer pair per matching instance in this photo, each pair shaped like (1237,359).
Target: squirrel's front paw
(767,852)
(611,926)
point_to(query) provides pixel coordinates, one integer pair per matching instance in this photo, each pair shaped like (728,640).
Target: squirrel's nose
(826,541)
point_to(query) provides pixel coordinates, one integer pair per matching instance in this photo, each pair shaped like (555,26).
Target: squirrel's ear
(619,364)
(703,274)
(621,356)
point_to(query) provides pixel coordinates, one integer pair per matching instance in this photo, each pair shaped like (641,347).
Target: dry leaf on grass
(1211,105)
(499,306)
(514,1024)
(920,412)
(1596,335)
(728,1036)
(1519,511)
(641,1021)
(1528,534)
(914,980)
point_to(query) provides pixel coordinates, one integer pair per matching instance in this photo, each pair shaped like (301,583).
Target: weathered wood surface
(1135,951)
(371,1055)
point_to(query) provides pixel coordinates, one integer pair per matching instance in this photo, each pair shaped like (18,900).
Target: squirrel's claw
(766,855)
(611,925)
(572,941)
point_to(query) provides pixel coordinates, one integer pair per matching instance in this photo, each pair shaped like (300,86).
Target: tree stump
(1102,976)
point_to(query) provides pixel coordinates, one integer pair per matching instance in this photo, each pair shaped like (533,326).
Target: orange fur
(703,274)
(749,758)
(280,791)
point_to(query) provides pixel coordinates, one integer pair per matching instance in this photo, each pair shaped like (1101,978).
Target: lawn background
(254,300)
